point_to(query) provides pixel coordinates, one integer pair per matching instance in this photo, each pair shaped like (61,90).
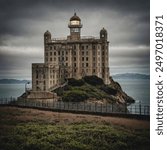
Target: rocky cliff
(91,89)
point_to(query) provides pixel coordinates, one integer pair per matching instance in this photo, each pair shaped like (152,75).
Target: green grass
(18,134)
(82,136)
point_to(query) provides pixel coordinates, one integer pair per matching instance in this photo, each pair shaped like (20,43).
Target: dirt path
(33,115)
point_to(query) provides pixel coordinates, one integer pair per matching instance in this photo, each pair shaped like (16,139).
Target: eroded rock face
(121,96)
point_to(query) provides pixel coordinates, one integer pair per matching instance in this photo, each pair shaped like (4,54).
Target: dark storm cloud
(23,23)
(13,13)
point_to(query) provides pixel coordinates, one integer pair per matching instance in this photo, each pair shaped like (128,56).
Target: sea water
(139,89)
(11,90)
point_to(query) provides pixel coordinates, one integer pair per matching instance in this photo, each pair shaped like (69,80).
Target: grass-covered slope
(28,129)
(92,88)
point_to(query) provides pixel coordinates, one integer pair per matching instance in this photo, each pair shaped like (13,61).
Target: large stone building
(72,57)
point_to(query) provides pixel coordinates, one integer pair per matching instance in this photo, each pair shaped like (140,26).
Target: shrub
(75,96)
(93,80)
(74,82)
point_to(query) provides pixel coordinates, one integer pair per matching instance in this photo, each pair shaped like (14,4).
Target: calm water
(11,90)
(138,89)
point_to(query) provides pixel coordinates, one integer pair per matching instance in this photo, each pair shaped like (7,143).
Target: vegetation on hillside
(42,133)
(92,87)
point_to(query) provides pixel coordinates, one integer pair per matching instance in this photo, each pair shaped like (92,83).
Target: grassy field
(29,129)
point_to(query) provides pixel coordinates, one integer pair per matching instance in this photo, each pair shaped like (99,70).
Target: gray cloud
(24,22)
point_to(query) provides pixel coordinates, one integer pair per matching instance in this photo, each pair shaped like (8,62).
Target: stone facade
(71,57)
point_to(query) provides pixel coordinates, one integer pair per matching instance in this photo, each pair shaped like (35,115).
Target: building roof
(47,33)
(75,17)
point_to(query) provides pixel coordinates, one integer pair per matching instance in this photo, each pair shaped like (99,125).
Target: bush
(75,96)
(74,82)
(93,80)
(109,90)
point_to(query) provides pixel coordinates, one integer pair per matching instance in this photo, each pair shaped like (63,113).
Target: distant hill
(13,81)
(131,76)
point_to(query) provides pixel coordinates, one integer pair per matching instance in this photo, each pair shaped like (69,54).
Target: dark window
(74,64)
(62,52)
(82,52)
(51,53)
(82,47)
(87,53)
(74,52)
(82,64)
(51,48)
(66,52)
(54,47)
(74,58)
(87,47)
(66,58)
(58,52)
(94,47)
(51,59)
(55,53)
(86,58)
(82,58)
(86,64)
(74,46)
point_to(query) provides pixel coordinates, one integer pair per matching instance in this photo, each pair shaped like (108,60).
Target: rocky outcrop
(121,96)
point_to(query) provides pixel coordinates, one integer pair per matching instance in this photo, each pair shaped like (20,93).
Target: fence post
(106,107)
(112,107)
(125,108)
(140,108)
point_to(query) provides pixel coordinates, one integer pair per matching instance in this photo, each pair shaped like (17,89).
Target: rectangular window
(74,52)
(74,46)
(62,52)
(50,53)
(87,47)
(74,58)
(86,58)
(82,52)
(66,52)
(94,58)
(66,58)
(94,70)
(55,53)
(82,47)
(86,64)
(55,47)
(66,64)
(50,58)
(46,54)
(82,58)
(94,53)
(50,47)
(82,64)
(58,52)
(54,58)
(94,47)
(87,53)
(74,64)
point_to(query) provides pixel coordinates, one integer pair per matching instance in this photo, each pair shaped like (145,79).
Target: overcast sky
(23,23)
